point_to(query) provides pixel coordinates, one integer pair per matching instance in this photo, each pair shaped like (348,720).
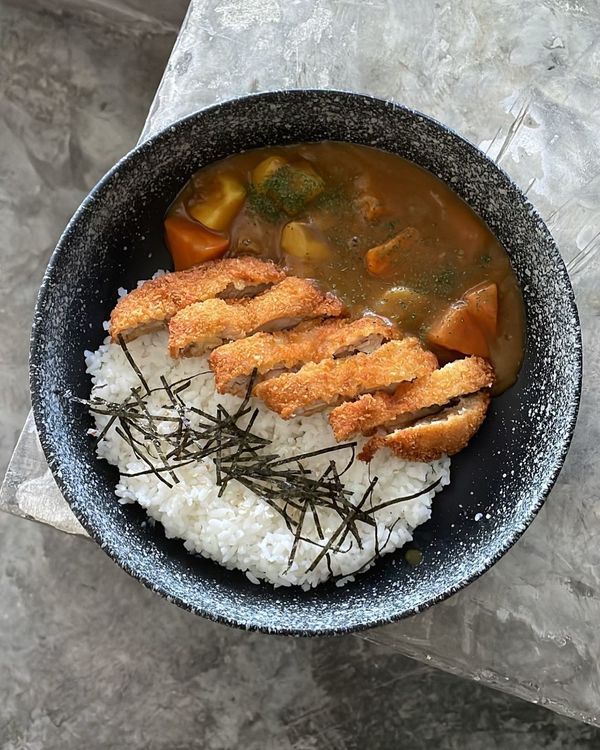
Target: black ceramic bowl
(115,238)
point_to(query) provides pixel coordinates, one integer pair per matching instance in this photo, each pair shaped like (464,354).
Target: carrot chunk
(190,243)
(459,331)
(383,260)
(482,304)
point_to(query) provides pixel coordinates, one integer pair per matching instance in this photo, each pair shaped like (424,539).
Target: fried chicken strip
(151,305)
(206,325)
(364,416)
(271,354)
(318,385)
(428,439)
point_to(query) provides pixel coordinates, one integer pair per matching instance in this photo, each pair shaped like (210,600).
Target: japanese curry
(382,233)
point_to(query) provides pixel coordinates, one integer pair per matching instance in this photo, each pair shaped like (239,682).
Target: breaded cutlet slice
(271,354)
(391,410)
(318,385)
(206,325)
(428,439)
(151,305)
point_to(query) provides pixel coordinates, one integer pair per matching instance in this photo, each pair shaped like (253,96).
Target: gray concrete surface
(74,94)
(88,658)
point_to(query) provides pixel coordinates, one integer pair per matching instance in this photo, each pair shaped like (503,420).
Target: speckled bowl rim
(118,555)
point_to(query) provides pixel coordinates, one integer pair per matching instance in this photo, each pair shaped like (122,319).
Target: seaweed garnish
(344,527)
(131,361)
(171,439)
(388,503)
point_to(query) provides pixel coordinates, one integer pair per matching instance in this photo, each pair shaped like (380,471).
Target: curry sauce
(379,231)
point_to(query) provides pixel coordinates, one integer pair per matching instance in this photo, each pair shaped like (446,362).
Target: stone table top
(520,80)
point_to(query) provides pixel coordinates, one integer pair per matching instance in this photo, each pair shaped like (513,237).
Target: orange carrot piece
(457,330)
(482,304)
(190,243)
(384,259)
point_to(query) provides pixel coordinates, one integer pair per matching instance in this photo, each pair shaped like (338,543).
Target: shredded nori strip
(131,361)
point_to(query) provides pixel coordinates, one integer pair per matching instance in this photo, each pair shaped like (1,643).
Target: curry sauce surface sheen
(362,198)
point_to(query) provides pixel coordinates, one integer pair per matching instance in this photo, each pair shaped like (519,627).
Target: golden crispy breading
(276,352)
(206,325)
(317,385)
(457,378)
(151,305)
(446,433)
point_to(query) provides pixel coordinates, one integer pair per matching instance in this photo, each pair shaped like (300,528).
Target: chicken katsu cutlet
(271,354)
(206,325)
(318,385)
(151,305)
(444,433)
(410,400)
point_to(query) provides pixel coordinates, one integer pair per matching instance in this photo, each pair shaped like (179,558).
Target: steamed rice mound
(239,529)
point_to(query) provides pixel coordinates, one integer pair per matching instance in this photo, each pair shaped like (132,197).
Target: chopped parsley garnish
(260,203)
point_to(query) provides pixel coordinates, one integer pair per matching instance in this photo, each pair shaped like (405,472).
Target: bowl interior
(501,479)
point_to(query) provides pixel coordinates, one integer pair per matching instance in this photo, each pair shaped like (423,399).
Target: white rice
(240,530)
